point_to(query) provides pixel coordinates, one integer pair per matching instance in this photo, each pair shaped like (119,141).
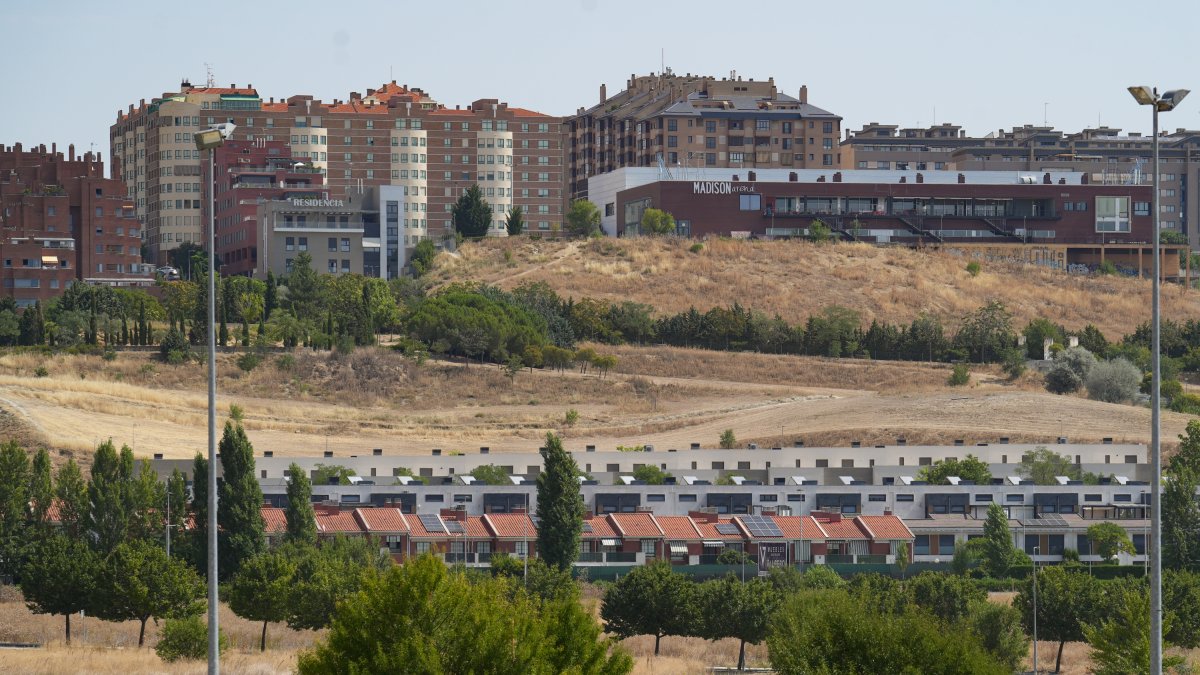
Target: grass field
(795,279)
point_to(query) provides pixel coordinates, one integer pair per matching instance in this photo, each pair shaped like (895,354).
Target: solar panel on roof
(587,527)
(454,527)
(727,528)
(432,522)
(1053,520)
(761,526)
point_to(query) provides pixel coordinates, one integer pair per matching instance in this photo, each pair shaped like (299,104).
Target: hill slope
(795,279)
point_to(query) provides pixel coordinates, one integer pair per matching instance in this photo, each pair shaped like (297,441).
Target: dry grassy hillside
(796,278)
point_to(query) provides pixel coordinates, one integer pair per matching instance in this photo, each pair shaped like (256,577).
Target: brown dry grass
(795,279)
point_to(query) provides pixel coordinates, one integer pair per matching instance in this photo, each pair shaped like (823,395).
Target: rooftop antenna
(212,81)
(1045,107)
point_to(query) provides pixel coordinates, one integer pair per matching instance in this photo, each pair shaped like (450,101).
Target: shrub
(1014,363)
(1114,381)
(696,247)
(109,355)
(960,376)
(1186,403)
(1070,370)
(728,440)
(1106,267)
(248,361)
(571,417)
(285,362)
(174,341)
(186,639)
(973,268)
(41,371)
(176,357)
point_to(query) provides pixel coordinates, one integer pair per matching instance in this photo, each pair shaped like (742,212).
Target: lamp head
(214,136)
(1171,99)
(1143,95)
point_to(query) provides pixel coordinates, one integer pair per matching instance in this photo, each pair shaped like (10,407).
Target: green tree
(649,600)
(819,232)
(327,575)
(1066,599)
(108,520)
(58,577)
(969,468)
(728,441)
(1037,331)
(986,332)
(332,474)
(301,519)
(239,509)
(831,631)
(261,589)
(657,221)
(728,608)
(139,582)
(514,221)
(1181,593)
(1069,371)
(423,618)
(650,474)
(72,493)
(41,489)
(999,552)
(1043,466)
(422,256)
(270,296)
(583,218)
(1109,539)
(471,214)
(187,639)
(949,597)
(1181,521)
(491,474)
(998,629)
(560,506)
(1114,381)
(304,289)
(14,500)
(903,558)
(1121,642)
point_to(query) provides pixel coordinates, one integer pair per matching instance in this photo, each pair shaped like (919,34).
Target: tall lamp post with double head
(210,139)
(1164,103)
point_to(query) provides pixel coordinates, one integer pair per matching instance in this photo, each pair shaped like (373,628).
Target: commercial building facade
(394,135)
(62,220)
(1107,155)
(687,123)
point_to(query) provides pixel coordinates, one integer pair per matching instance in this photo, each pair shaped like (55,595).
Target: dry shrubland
(795,279)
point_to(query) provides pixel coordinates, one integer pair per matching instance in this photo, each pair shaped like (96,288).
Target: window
(520,548)
(345,245)
(983,498)
(904,498)
(332,244)
(945,544)
(303,240)
(877,498)
(1019,499)
(290,243)
(921,544)
(1112,214)
(687,498)
(751,202)
(435,498)
(423,547)
(648,547)
(1141,208)
(656,498)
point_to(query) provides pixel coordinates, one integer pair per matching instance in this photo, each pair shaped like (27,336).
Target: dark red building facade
(249,173)
(62,220)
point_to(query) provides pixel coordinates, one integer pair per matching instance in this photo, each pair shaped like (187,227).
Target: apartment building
(687,123)
(61,221)
(393,135)
(1107,155)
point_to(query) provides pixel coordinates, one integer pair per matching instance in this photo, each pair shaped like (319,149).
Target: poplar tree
(301,519)
(108,521)
(14,498)
(72,493)
(560,507)
(239,508)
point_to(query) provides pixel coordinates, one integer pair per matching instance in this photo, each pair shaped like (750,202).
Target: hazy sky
(68,66)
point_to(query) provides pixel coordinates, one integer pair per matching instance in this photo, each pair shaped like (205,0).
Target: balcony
(609,557)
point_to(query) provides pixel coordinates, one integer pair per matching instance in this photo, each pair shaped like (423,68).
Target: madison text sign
(716,187)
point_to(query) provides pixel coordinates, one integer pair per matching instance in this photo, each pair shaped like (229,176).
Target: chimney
(837,177)
(751,176)
(804,93)
(70,151)
(793,177)
(1046,179)
(920,178)
(903,179)
(963,179)
(603,93)
(702,516)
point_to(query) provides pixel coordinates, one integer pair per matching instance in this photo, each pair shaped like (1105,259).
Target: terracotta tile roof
(601,528)
(240,91)
(417,529)
(844,529)
(359,108)
(800,527)
(885,527)
(510,525)
(709,530)
(635,525)
(275,107)
(475,528)
(522,112)
(451,111)
(678,528)
(381,519)
(274,520)
(334,523)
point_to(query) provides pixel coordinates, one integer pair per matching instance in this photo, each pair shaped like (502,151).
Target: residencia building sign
(710,187)
(334,203)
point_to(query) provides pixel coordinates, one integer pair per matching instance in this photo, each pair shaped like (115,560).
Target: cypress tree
(143,324)
(198,540)
(560,507)
(271,297)
(245,332)
(14,499)
(107,521)
(239,509)
(72,494)
(301,520)
(41,489)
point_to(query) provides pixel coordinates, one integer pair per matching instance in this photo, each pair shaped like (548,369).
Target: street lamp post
(1035,589)
(211,139)
(1165,103)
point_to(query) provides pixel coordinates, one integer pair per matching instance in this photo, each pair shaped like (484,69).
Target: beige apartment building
(394,135)
(684,124)
(1107,155)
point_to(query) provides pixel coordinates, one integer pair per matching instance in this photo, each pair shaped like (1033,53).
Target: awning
(610,542)
(679,549)
(49,260)
(714,544)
